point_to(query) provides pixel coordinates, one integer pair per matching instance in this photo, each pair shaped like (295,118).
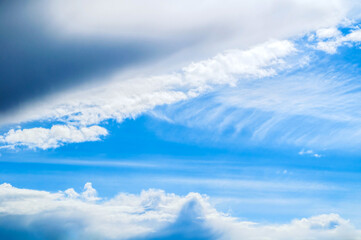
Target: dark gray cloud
(34,63)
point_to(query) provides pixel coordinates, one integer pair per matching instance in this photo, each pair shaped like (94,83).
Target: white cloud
(330,45)
(322,227)
(152,213)
(188,19)
(310,108)
(226,25)
(331,32)
(71,193)
(120,97)
(53,137)
(309,152)
(195,30)
(89,194)
(248,82)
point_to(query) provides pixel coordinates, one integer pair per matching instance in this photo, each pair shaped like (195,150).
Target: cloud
(309,152)
(68,45)
(152,214)
(189,35)
(308,106)
(265,80)
(121,97)
(161,19)
(257,91)
(44,64)
(89,194)
(336,40)
(53,137)
(331,32)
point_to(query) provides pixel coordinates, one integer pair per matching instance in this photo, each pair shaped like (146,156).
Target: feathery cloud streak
(315,104)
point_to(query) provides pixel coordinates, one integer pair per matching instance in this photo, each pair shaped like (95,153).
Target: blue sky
(118,122)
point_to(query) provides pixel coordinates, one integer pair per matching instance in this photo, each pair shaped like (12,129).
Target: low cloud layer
(152,214)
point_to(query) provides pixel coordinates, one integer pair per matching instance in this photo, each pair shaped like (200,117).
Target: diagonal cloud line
(120,99)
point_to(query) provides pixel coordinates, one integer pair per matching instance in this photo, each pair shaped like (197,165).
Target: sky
(171,119)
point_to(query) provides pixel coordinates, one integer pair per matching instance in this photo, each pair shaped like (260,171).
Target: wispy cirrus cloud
(312,105)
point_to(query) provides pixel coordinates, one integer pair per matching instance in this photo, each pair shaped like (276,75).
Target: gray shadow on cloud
(34,63)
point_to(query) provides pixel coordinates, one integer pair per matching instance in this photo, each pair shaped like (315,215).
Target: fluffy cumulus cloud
(324,33)
(53,137)
(152,214)
(330,39)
